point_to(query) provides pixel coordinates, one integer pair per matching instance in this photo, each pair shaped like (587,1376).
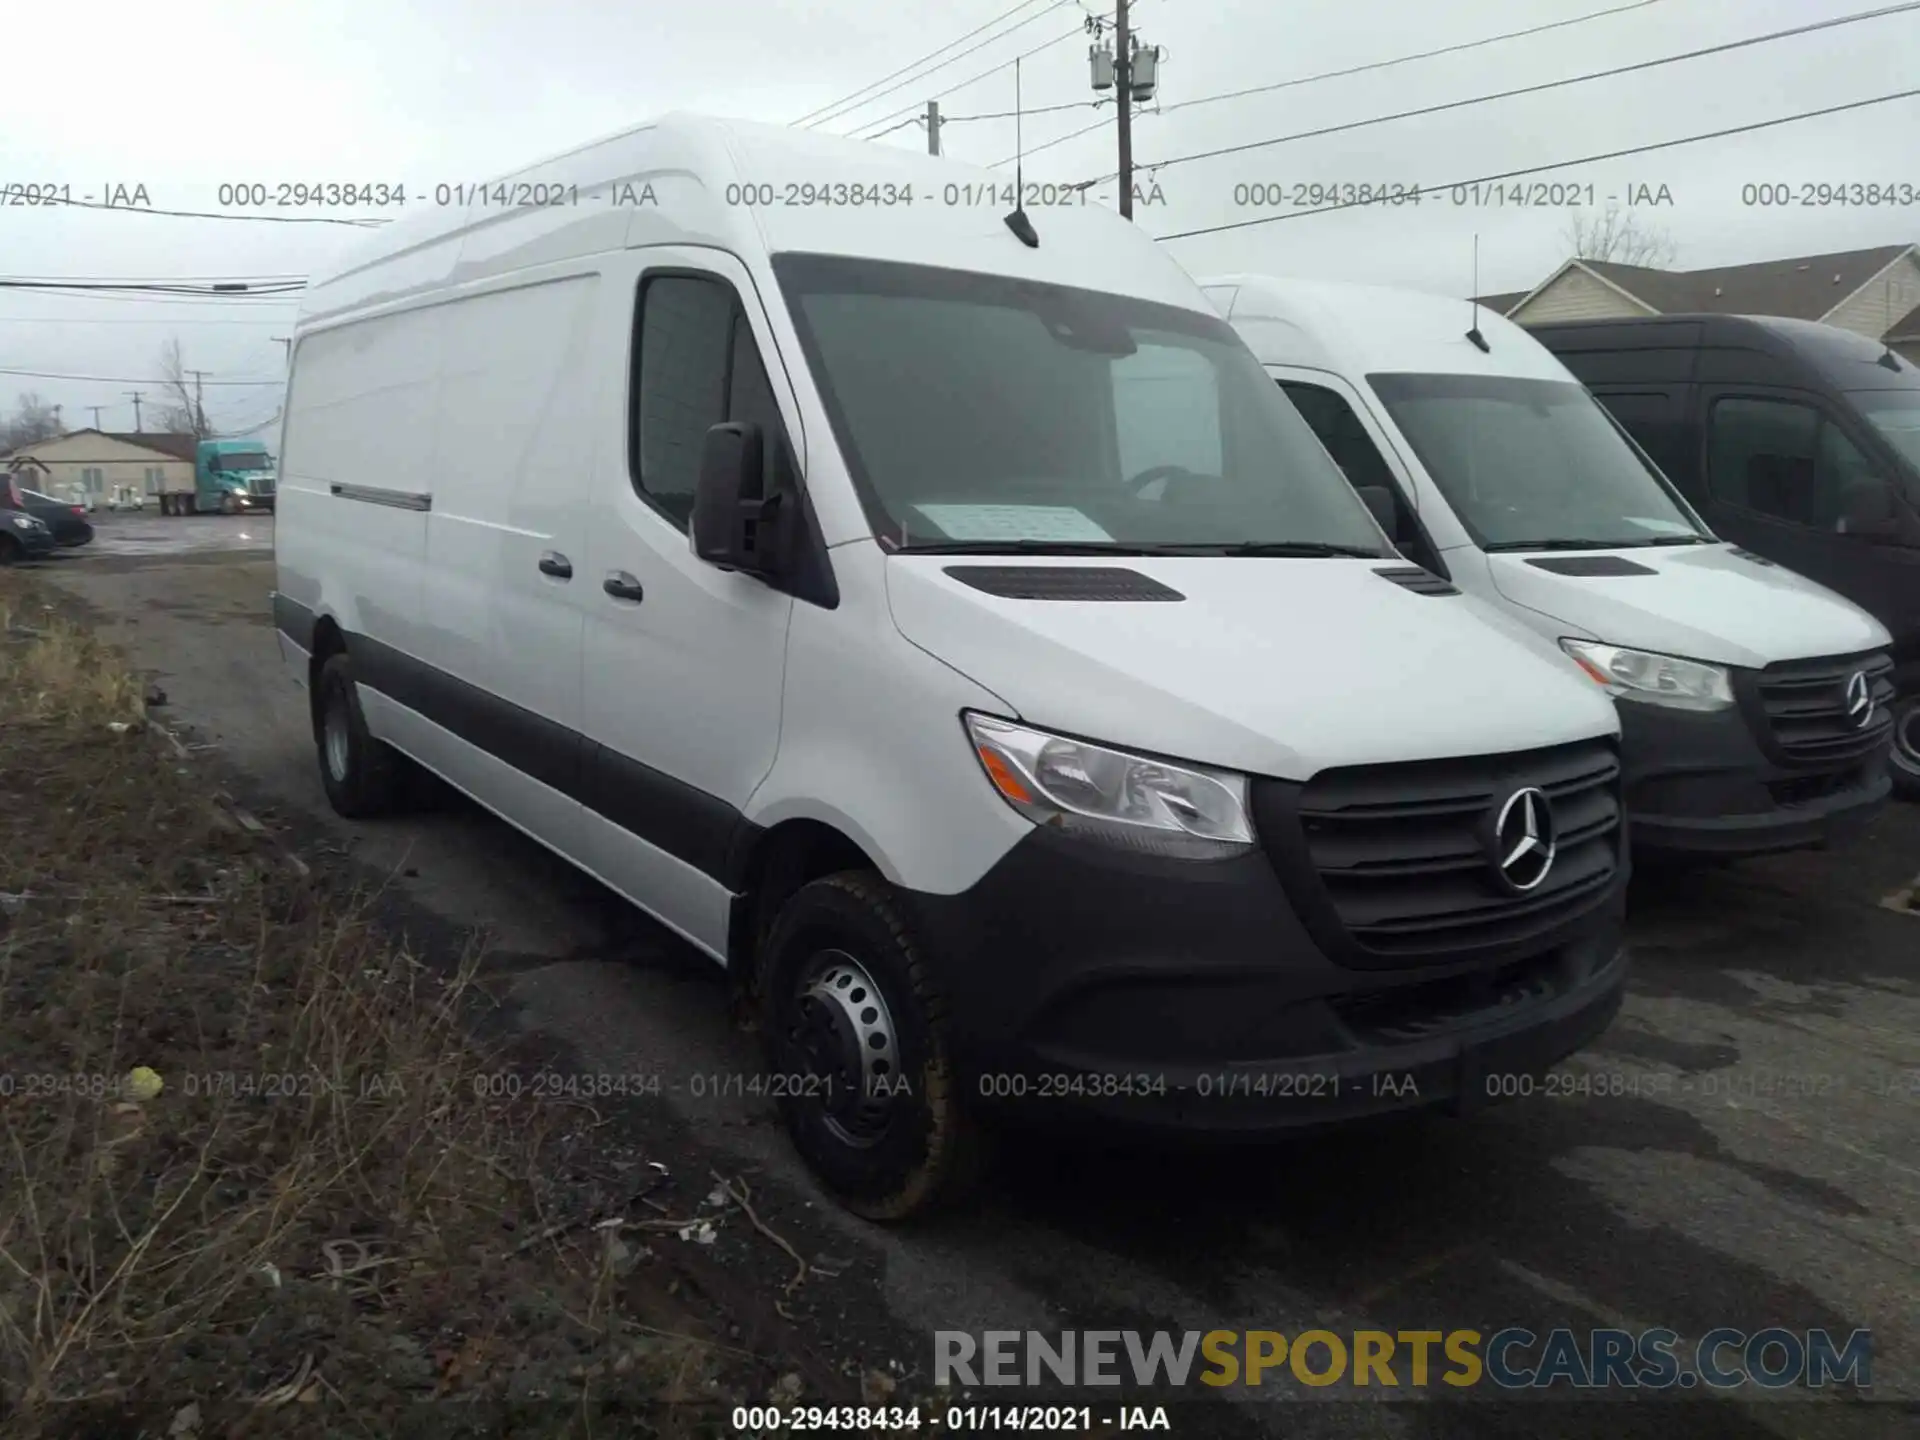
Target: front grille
(260,487)
(1803,705)
(1392,865)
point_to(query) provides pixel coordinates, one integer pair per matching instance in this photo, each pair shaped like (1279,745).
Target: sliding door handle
(622,586)
(557,565)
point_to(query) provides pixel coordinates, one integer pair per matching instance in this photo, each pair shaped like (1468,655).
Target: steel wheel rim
(338,739)
(842,1034)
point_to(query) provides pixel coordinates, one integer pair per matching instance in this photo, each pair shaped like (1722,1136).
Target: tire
(364,777)
(229,505)
(885,1158)
(1904,765)
(12,552)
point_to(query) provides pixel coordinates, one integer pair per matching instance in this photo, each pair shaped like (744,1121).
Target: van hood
(1280,667)
(1702,602)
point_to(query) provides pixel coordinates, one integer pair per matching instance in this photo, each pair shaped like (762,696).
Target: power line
(1562,164)
(820,112)
(1639,65)
(1407,59)
(130,379)
(1072,34)
(362,223)
(1043,109)
(131,320)
(1033,150)
(910,120)
(279,287)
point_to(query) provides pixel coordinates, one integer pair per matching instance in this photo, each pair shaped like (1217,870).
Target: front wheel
(1905,763)
(12,552)
(229,505)
(857,1045)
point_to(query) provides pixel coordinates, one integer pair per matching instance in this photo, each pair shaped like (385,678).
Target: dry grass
(321,1219)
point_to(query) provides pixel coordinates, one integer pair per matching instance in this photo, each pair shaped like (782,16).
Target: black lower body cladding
(1171,998)
(1704,784)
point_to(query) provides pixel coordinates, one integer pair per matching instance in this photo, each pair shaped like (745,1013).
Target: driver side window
(1166,408)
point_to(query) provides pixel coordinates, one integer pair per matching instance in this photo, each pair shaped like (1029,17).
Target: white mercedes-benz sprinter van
(934,614)
(1754,702)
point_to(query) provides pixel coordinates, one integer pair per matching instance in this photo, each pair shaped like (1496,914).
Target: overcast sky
(184,97)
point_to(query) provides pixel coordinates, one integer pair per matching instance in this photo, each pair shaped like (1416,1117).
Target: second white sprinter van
(935,616)
(1754,702)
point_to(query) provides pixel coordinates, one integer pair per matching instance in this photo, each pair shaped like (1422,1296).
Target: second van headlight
(1656,679)
(1136,802)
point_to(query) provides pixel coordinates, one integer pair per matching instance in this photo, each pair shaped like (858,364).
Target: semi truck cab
(231,477)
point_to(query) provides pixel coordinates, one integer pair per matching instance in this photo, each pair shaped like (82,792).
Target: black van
(1797,441)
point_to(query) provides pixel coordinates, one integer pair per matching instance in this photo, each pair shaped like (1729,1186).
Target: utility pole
(933,127)
(1132,71)
(136,410)
(199,407)
(96,414)
(57,423)
(1123,97)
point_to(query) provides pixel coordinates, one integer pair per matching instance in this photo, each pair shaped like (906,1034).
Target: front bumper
(1180,998)
(34,544)
(1699,783)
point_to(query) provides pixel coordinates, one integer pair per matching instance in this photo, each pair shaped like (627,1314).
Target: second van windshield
(1527,464)
(979,410)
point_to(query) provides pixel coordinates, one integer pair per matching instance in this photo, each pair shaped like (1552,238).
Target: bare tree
(33,419)
(1619,236)
(183,414)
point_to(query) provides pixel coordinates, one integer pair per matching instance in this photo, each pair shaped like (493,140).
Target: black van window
(1342,433)
(1782,459)
(696,365)
(686,326)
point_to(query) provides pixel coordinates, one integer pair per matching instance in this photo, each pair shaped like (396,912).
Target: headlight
(25,522)
(1655,679)
(1132,801)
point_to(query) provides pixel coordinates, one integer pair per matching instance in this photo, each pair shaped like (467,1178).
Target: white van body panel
(1243,669)
(1703,603)
(872,742)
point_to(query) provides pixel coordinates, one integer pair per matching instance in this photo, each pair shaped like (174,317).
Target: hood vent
(1062,582)
(1749,555)
(1421,582)
(1592,565)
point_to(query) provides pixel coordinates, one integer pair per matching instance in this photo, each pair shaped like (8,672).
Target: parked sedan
(23,536)
(68,522)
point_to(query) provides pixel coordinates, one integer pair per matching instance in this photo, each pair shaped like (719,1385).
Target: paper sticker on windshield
(1012,522)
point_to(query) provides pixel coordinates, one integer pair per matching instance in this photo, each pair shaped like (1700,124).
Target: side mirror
(1385,509)
(735,526)
(1868,510)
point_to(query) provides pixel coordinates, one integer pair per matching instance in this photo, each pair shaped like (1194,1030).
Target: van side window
(680,389)
(1340,430)
(1783,459)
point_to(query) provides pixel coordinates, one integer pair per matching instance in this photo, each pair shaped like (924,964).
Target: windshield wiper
(1033,547)
(1562,545)
(1288,547)
(1680,540)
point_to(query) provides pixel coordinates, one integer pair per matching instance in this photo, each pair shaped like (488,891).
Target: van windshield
(1896,415)
(981,412)
(1533,464)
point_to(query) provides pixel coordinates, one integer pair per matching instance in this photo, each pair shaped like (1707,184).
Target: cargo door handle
(557,565)
(622,586)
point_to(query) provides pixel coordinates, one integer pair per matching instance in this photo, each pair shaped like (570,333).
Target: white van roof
(668,182)
(1372,329)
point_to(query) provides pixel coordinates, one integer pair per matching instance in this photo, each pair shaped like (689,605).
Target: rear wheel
(1905,765)
(857,1044)
(363,776)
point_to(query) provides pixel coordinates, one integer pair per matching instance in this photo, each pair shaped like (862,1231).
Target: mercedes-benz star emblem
(1523,840)
(1859,700)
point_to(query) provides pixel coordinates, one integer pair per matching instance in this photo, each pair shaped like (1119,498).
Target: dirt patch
(262,1178)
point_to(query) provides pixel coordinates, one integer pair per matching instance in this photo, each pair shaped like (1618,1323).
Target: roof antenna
(1473,305)
(1018,222)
